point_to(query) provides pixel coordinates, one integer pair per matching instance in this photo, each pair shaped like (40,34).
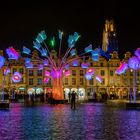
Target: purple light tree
(134,64)
(59,67)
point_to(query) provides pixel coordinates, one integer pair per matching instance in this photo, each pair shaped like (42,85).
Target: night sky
(20,22)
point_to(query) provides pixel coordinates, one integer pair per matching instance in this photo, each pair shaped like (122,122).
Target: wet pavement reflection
(90,121)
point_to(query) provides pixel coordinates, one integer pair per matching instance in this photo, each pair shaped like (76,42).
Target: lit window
(74,72)
(101,64)
(39,73)
(103,82)
(73,81)
(39,81)
(31,72)
(81,72)
(91,81)
(14,70)
(102,72)
(66,81)
(21,81)
(21,70)
(81,81)
(31,81)
(111,72)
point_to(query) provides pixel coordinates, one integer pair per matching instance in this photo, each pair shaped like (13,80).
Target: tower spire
(109,42)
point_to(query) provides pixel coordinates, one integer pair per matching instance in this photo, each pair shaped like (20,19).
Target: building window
(91,64)
(131,81)
(103,82)
(14,70)
(91,81)
(39,81)
(73,81)
(31,72)
(21,81)
(49,83)
(81,81)
(131,73)
(66,81)
(31,81)
(102,72)
(81,72)
(21,70)
(73,72)
(111,72)
(101,64)
(39,73)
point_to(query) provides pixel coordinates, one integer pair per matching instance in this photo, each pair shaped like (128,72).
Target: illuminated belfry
(109,43)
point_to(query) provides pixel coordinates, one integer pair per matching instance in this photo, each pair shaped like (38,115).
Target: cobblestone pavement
(90,121)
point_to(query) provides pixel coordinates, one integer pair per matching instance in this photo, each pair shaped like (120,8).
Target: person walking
(73,99)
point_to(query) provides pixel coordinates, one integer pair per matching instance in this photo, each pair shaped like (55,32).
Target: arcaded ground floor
(90,121)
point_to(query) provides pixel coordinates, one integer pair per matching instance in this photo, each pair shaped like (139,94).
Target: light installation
(2,61)
(99,78)
(6,71)
(133,64)
(122,68)
(16,77)
(12,54)
(59,66)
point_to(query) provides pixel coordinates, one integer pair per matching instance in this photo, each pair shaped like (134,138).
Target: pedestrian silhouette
(73,98)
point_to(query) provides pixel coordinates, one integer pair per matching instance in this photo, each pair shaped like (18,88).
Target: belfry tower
(109,43)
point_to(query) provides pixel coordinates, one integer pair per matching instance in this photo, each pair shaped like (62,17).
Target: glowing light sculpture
(67,73)
(45,62)
(26,50)
(40,67)
(137,53)
(29,65)
(47,73)
(95,55)
(36,45)
(43,52)
(2,61)
(27,60)
(122,68)
(6,71)
(73,52)
(88,76)
(43,35)
(67,67)
(88,49)
(12,53)
(16,77)
(99,78)
(60,33)
(85,65)
(90,71)
(75,63)
(46,80)
(58,66)
(134,63)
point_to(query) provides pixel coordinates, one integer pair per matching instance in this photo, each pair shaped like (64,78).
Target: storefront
(80,93)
